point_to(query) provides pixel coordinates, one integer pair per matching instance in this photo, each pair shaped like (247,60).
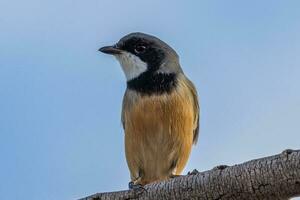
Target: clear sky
(60,99)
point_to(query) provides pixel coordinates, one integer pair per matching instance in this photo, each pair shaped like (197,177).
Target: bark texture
(271,178)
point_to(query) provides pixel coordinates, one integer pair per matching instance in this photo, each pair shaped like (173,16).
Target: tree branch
(271,178)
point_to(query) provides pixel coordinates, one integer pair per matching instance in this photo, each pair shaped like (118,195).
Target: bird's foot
(194,172)
(135,186)
(288,151)
(220,167)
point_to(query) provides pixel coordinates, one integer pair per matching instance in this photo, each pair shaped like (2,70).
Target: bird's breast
(169,113)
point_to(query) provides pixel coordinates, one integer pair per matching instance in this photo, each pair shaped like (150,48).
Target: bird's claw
(194,172)
(133,186)
(288,151)
(220,167)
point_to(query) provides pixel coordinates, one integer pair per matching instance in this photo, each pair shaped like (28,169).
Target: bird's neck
(153,83)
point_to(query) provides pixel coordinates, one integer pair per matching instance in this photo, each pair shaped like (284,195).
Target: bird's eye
(140,49)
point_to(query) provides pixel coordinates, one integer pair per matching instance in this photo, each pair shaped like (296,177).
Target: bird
(160,109)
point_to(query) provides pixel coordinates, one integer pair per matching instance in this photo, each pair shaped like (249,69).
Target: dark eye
(140,49)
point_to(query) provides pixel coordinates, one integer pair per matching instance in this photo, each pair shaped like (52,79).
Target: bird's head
(140,53)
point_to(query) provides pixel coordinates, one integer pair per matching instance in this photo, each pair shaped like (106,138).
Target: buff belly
(158,134)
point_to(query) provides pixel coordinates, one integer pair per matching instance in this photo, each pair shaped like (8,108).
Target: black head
(146,60)
(148,48)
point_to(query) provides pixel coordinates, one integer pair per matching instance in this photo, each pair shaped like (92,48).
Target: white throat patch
(132,65)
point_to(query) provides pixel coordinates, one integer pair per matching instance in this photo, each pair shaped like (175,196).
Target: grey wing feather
(123,114)
(124,106)
(196,111)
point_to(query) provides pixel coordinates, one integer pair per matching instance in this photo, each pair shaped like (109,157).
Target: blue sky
(60,130)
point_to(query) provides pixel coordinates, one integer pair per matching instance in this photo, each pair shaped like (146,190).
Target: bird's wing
(196,110)
(123,111)
(125,106)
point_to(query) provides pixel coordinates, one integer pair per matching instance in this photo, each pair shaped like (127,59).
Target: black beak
(113,50)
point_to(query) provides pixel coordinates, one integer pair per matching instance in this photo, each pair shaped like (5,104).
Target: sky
(60,99)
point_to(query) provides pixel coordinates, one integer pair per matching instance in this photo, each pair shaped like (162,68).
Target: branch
(271,178)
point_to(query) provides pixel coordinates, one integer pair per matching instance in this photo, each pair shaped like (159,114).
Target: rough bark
(271,178)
